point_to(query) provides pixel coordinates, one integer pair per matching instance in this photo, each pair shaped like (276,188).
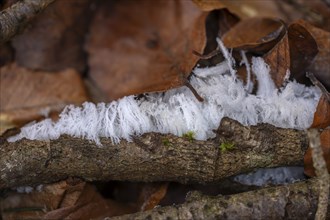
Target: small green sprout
(190,136)
(226,146)
(166,142)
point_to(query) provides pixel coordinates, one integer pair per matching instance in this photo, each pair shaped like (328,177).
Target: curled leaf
(278,59)
(322,114)
(303,49)
(320,66)
(256,35)
(218,22)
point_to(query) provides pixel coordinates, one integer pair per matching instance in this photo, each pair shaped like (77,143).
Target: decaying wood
(321,172)
(294,201)
(152,156)
(15,17)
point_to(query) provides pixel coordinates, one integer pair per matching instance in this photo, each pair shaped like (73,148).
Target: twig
(321,172)
(206,56)
(193,90)
(14,18)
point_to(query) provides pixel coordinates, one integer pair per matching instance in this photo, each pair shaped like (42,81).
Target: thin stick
(321,172)
(14,18)
(206,56)
(193,90)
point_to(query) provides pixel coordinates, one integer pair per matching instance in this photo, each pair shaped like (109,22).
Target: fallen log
(152,156)
(293,201)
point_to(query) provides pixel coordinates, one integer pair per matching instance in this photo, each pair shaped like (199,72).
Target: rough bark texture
(15,17)
(321,172)
(152,156)
(295,201)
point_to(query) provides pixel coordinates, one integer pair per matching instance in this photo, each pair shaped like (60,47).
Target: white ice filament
(178,111)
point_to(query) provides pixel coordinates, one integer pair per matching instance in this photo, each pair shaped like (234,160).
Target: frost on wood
(177,111)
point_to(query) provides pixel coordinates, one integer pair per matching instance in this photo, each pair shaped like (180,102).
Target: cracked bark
(321,172)
(152,156)
(13,19)
(294,201)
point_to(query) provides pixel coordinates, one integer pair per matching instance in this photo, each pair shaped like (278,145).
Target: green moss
(190,136)
(166,142)
(226,146)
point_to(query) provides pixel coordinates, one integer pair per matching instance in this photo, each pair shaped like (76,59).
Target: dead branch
(321,172)
(152,156)
(295,201)
(14,18)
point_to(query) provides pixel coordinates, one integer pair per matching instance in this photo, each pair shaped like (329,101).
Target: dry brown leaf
(35,204)
(256,35)
(303,49)
(244,9)
(54,40)
(226,21)
(139,46)
(278,60)
(209,5)
(322,114)
(151,195)
(325,145)
(315,12)
(27,95)
(218,22)
(6,54)
(65,199)
(320,66)
(90,205)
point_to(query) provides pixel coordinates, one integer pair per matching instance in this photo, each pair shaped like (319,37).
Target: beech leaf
(242,8)
(278,60)
(256,35)
(53,41)
(303,49)
(142,46)
(152,194)
(320,66)
(27,95)
(322,114)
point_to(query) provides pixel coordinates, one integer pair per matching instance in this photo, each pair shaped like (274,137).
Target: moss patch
(226,146)
(190,136)
(166,142)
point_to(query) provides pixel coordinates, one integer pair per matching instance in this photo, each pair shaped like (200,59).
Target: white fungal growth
(266,86)
(249,83)
(177,111)
(229,59)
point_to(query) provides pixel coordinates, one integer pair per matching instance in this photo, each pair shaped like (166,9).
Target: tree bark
(13,19)
(152,156)
(294,201)
(321,172)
